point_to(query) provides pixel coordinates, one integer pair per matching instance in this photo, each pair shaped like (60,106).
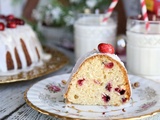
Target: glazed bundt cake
(99,78)
(19,47)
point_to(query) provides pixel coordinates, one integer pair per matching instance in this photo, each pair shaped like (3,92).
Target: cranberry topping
(12,22)
(2,16)
(80,82)
(11,25)
(19,21)
(124,100)
(10,17)
(1,26)
(109,87)
(106,48)
(109,65)
(106,98)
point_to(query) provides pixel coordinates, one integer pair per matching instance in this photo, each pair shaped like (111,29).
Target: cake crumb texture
(100,80)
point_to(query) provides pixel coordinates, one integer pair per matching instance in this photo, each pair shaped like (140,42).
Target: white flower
(48,17)
(91,3)
(49,6)
(36,15)
(47,13)
(69,20)
(56,13)
(53,11)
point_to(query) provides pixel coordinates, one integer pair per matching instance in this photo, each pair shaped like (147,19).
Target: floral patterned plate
(46,97)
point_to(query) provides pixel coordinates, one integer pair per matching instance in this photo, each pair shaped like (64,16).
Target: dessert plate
(57,61)
(46,97)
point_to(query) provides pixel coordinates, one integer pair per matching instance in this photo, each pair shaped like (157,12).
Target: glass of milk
(89,31)
(143,49)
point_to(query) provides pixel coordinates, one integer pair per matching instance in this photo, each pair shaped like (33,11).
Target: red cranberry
(124,100)
(80,82)
(106,48)
(2,16)
(10,17)
(122,92)
(19,21)
(117,89)
(109,87)
(106,98)
(11,25)
(109,65)
(2,26)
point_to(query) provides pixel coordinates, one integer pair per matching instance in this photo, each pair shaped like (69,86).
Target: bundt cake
(98,78)
(20,49)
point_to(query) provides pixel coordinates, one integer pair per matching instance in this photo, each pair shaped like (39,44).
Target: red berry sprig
(12,22)
(106,48)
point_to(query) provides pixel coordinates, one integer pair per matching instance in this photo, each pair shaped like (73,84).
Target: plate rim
(71,118)
(52,51)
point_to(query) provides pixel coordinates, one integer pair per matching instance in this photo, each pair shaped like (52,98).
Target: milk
(143,51)
(89,32)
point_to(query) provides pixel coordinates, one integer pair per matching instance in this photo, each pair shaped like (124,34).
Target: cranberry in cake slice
(99,79)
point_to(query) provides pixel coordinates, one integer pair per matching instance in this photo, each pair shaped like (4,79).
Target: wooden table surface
(12,103)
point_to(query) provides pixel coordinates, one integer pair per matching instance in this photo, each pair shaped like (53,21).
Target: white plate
(145,101)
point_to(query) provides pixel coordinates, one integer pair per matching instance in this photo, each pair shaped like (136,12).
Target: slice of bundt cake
(99,78)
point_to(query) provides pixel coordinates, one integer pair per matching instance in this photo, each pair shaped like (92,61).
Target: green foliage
(57,14)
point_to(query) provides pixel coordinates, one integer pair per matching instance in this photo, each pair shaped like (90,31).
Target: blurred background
(53,19)
(58,12)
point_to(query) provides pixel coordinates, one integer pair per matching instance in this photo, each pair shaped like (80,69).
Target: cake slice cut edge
(99,80)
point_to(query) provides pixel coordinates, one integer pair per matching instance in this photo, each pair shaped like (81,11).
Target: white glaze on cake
(10,39)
